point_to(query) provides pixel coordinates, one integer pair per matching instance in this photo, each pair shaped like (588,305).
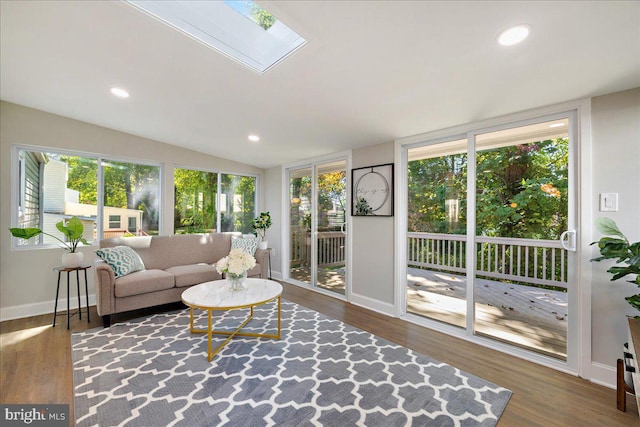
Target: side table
(68,270)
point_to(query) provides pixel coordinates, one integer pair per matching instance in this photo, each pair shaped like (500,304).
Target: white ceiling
(371,71)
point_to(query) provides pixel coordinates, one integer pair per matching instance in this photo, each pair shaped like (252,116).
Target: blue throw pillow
(247,244)
(122,259)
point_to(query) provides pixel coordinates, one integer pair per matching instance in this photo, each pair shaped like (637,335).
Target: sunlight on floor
(11,338)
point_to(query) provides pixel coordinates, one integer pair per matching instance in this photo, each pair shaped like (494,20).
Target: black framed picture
(372,190)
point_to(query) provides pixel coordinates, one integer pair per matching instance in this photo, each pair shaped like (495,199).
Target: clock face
(373,187)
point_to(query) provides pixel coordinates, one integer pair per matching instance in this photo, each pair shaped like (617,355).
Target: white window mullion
(471,231)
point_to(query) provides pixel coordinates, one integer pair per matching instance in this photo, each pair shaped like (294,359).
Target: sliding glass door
(317,225)
(490,233)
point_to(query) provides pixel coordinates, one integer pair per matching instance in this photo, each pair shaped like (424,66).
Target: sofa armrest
(262,258)
(105,288)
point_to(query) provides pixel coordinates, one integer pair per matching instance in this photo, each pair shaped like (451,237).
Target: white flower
(236,262)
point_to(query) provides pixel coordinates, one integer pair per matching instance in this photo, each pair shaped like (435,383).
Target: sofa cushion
(187,275)
(122,259)
(162,252)
(142,282)
(247,244)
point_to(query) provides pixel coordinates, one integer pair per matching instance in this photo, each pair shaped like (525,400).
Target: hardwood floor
(36,366)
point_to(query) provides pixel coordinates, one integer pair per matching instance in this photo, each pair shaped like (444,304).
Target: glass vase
(236,281)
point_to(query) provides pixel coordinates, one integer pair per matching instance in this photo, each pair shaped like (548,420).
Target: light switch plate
(608,202)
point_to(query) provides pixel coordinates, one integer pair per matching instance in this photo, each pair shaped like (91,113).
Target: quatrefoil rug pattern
(323,372)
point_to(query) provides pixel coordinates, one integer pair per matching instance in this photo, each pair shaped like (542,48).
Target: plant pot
(263,244)
(72,259)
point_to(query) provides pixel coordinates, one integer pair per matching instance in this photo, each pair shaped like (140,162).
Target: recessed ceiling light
(121,93)
(254,138)
(514,35)
(556,125)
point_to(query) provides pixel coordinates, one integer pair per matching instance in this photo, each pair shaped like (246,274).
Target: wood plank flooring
(36,365)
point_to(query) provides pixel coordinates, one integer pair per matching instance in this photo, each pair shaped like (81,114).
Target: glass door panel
(437,222)
(521,209)
(330,235)
(300,222)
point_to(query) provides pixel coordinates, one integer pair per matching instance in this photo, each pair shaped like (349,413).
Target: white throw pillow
(122,259)
(247,244)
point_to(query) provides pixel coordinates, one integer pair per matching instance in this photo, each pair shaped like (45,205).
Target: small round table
(217,295)
(68,270)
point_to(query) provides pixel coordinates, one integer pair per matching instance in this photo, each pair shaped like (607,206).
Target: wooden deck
(525,316)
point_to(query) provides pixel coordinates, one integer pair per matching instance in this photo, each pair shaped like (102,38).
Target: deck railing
(331,248)
(541,262)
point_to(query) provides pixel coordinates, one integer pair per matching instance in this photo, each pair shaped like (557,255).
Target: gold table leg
(237,332)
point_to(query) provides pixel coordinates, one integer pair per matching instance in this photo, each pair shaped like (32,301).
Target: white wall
(616,169)
(373,244)
(27,282)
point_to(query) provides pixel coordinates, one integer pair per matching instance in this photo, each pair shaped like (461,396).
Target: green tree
(195,201)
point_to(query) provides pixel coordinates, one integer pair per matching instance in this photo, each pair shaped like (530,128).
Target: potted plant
(72,231)
(625,253)
(260,226)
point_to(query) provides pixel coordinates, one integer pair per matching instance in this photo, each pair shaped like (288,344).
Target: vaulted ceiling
(371,71)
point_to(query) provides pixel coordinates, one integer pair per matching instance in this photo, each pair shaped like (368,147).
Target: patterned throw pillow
(247,244)
(122,259)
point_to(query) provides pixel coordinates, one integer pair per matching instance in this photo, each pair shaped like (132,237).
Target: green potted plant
(627,255)
(72,231)
(260,226)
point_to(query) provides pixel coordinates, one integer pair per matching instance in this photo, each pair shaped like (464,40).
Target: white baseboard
(35,309)
(603,374)
(372,304)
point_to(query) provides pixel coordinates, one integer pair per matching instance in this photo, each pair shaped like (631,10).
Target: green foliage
(622,251)
(363,208)
(261,224)
(195,201)
(521,191)
(72,231)
(261,17)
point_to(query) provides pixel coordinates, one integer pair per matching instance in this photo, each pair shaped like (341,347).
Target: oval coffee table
(217,295)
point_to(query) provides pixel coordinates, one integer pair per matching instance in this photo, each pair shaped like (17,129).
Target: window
(53,187)
(237,203)
(114,221)
(132,225)
(132,190)
(195,201)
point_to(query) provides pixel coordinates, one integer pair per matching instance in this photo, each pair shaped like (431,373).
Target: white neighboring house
(58,202)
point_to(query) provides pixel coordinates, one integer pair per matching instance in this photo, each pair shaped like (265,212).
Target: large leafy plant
(72,231)
(627,255)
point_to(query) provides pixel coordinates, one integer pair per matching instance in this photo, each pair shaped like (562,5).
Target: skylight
(240,29)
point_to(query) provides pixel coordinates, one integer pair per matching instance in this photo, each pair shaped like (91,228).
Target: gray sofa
(172,264)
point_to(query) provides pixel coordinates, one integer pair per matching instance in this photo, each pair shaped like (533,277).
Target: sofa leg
(106,320)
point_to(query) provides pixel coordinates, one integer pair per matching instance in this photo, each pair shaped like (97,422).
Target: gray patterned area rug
(323,372)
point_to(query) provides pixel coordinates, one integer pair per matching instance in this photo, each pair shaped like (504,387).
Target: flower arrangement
(261,224)
(236,264)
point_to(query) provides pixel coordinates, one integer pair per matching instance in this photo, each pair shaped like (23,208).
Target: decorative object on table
(321,370)
(72,231)
(234,266)
(372,190)
(622,251)
(260,225)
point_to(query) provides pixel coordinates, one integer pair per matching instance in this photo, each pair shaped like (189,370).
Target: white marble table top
(218,295)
